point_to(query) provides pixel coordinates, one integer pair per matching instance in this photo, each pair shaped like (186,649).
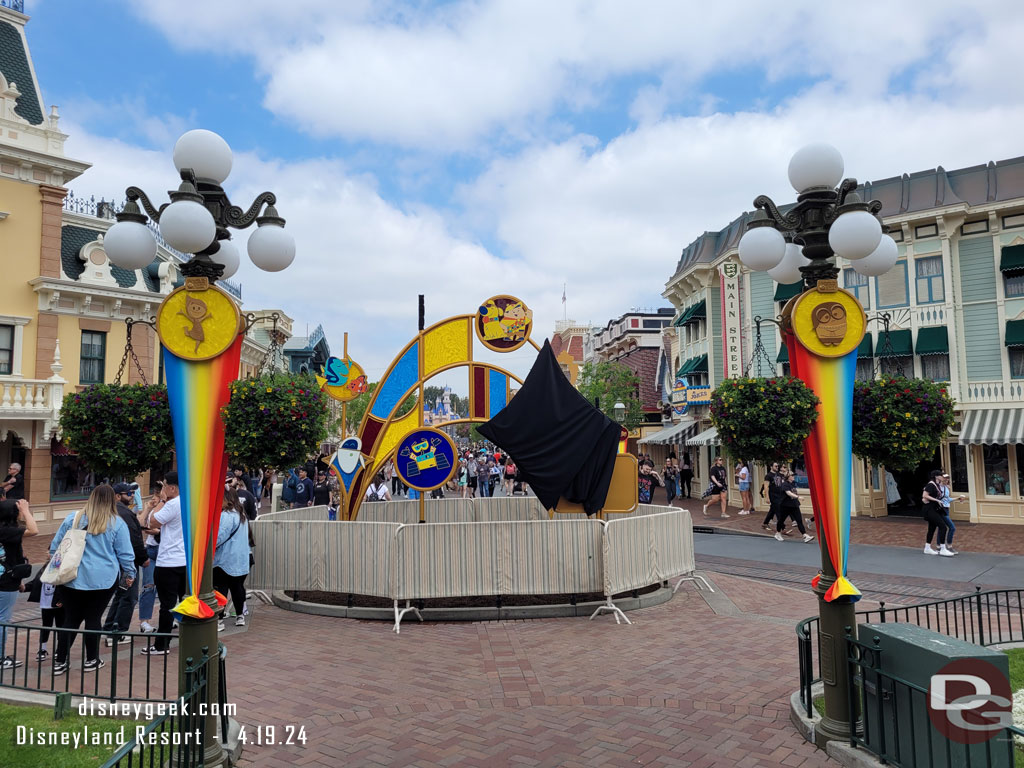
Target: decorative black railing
(895,724)
(127,674)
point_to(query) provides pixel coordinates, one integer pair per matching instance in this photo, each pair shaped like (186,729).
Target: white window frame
(19,324)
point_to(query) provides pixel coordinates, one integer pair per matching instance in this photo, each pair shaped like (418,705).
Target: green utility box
(896,718)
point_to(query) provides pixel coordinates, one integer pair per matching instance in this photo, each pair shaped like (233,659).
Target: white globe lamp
(788,270)
(206,153)
(880,260)
(130,245)
(187,226)
(227,256)
(855,234)
(271,248)
(816,165)
(762,248)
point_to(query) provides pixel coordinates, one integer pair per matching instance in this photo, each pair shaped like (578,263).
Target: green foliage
(356,408)
(612,382)
(899,422)
(118,430)
(275,420)
(764,420)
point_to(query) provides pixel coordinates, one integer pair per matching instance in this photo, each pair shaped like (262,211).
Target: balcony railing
(992,391)
(30,398)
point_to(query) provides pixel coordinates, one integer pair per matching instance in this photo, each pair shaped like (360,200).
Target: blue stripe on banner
(499,392)
(401,379)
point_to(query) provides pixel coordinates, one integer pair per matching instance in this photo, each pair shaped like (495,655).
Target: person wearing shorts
(743,483)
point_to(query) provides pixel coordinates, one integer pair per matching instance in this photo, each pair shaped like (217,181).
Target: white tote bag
(63,566)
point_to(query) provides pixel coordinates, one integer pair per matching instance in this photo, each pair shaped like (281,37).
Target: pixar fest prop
(823,328)
(425,459)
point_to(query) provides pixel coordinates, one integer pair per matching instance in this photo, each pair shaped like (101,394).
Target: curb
(506,613)
(840,751)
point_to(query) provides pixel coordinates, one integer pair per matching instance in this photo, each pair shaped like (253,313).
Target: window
(6,349)
(94,357)
(857,284)
(891,287)
(929,280)
(958,467)
(898,366)
(70,478)
(1013,284)
(926,230)
(997,470)
(865,369)
(1016,362)
(935,367)
(785,370)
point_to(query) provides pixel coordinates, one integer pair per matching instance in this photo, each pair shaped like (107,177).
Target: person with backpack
(378,490)
(107,561)
(789,506)
(231,558)
(16,522)
(935,516)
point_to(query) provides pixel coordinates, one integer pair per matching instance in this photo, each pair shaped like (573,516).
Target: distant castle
(442,412)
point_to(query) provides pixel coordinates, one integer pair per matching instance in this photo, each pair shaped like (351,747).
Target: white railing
(992,391)
(30,398)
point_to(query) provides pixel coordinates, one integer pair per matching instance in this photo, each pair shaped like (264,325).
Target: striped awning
(993,426)
(707,437)
(677,433)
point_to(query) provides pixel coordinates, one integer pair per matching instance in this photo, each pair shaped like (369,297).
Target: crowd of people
(482,472)
(131,553)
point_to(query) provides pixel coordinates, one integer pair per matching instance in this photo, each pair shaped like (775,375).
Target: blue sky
(465,149)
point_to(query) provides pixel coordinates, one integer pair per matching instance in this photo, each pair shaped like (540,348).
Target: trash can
(896,721)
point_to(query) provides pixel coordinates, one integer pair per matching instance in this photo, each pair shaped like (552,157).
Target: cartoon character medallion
(503,323)
(827,320)
(425,458)
(342,379)
(197,321)
(348,461)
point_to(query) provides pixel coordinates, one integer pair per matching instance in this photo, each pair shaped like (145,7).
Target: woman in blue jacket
(231,560)
(108,553)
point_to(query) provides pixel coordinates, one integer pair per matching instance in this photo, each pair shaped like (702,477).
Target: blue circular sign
(425,459)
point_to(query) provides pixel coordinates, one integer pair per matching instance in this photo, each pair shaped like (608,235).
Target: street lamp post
(197,221)
(829,218)
(620,411)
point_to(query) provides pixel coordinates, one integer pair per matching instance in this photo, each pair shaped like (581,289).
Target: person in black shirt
(321,491)
(13,486)
(16,522)
(769,487)
(934,514)
(789,506)
(303,490)
(719,488)
(647,480)
(246,498)
(119,615)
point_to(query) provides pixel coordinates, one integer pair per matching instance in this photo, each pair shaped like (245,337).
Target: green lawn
(1016,668)
(13,755)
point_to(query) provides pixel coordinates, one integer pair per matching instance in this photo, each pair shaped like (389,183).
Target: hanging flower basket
(118,430)
(899,422)
(275,420)
(764,420)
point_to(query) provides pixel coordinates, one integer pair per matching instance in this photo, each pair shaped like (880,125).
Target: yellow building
(62,304)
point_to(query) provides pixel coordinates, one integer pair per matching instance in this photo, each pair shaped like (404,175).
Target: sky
(467,149)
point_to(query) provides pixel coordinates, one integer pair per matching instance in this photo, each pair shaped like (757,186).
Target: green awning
(1012,259)
(933,340)
(901,344)
(697,312)
(700,364)
(786,291)
(783,356)
(682,370)
(865,349)
(680,318)
(1015,333)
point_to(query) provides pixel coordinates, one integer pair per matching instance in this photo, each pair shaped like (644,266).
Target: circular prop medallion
(197,324)
(342,379)
(503,323)
(828,324)
(425,459)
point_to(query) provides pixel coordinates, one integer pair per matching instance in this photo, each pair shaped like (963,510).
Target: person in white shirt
(169,575)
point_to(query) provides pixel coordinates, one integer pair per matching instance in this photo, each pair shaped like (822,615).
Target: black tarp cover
(562,445)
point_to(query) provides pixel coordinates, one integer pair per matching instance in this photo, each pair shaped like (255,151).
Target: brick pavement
(682,686)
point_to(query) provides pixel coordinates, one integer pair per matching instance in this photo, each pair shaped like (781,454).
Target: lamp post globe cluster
(199,217)
(829,219)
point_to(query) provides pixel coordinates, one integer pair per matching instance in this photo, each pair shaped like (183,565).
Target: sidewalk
(893,531)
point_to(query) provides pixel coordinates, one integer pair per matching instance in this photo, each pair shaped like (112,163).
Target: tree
(118,430)
(611,382)
(764,420)
(356,408)
(274,420)
(899,422)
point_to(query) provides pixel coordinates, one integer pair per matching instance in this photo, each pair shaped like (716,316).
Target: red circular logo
(970,701)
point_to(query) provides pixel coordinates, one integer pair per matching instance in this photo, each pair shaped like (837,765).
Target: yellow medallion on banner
(827,321)
(197,321)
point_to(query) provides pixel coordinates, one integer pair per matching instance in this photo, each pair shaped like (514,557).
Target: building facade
(955,307)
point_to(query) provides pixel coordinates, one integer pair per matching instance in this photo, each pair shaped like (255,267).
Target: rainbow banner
(199,327)
(823,328)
